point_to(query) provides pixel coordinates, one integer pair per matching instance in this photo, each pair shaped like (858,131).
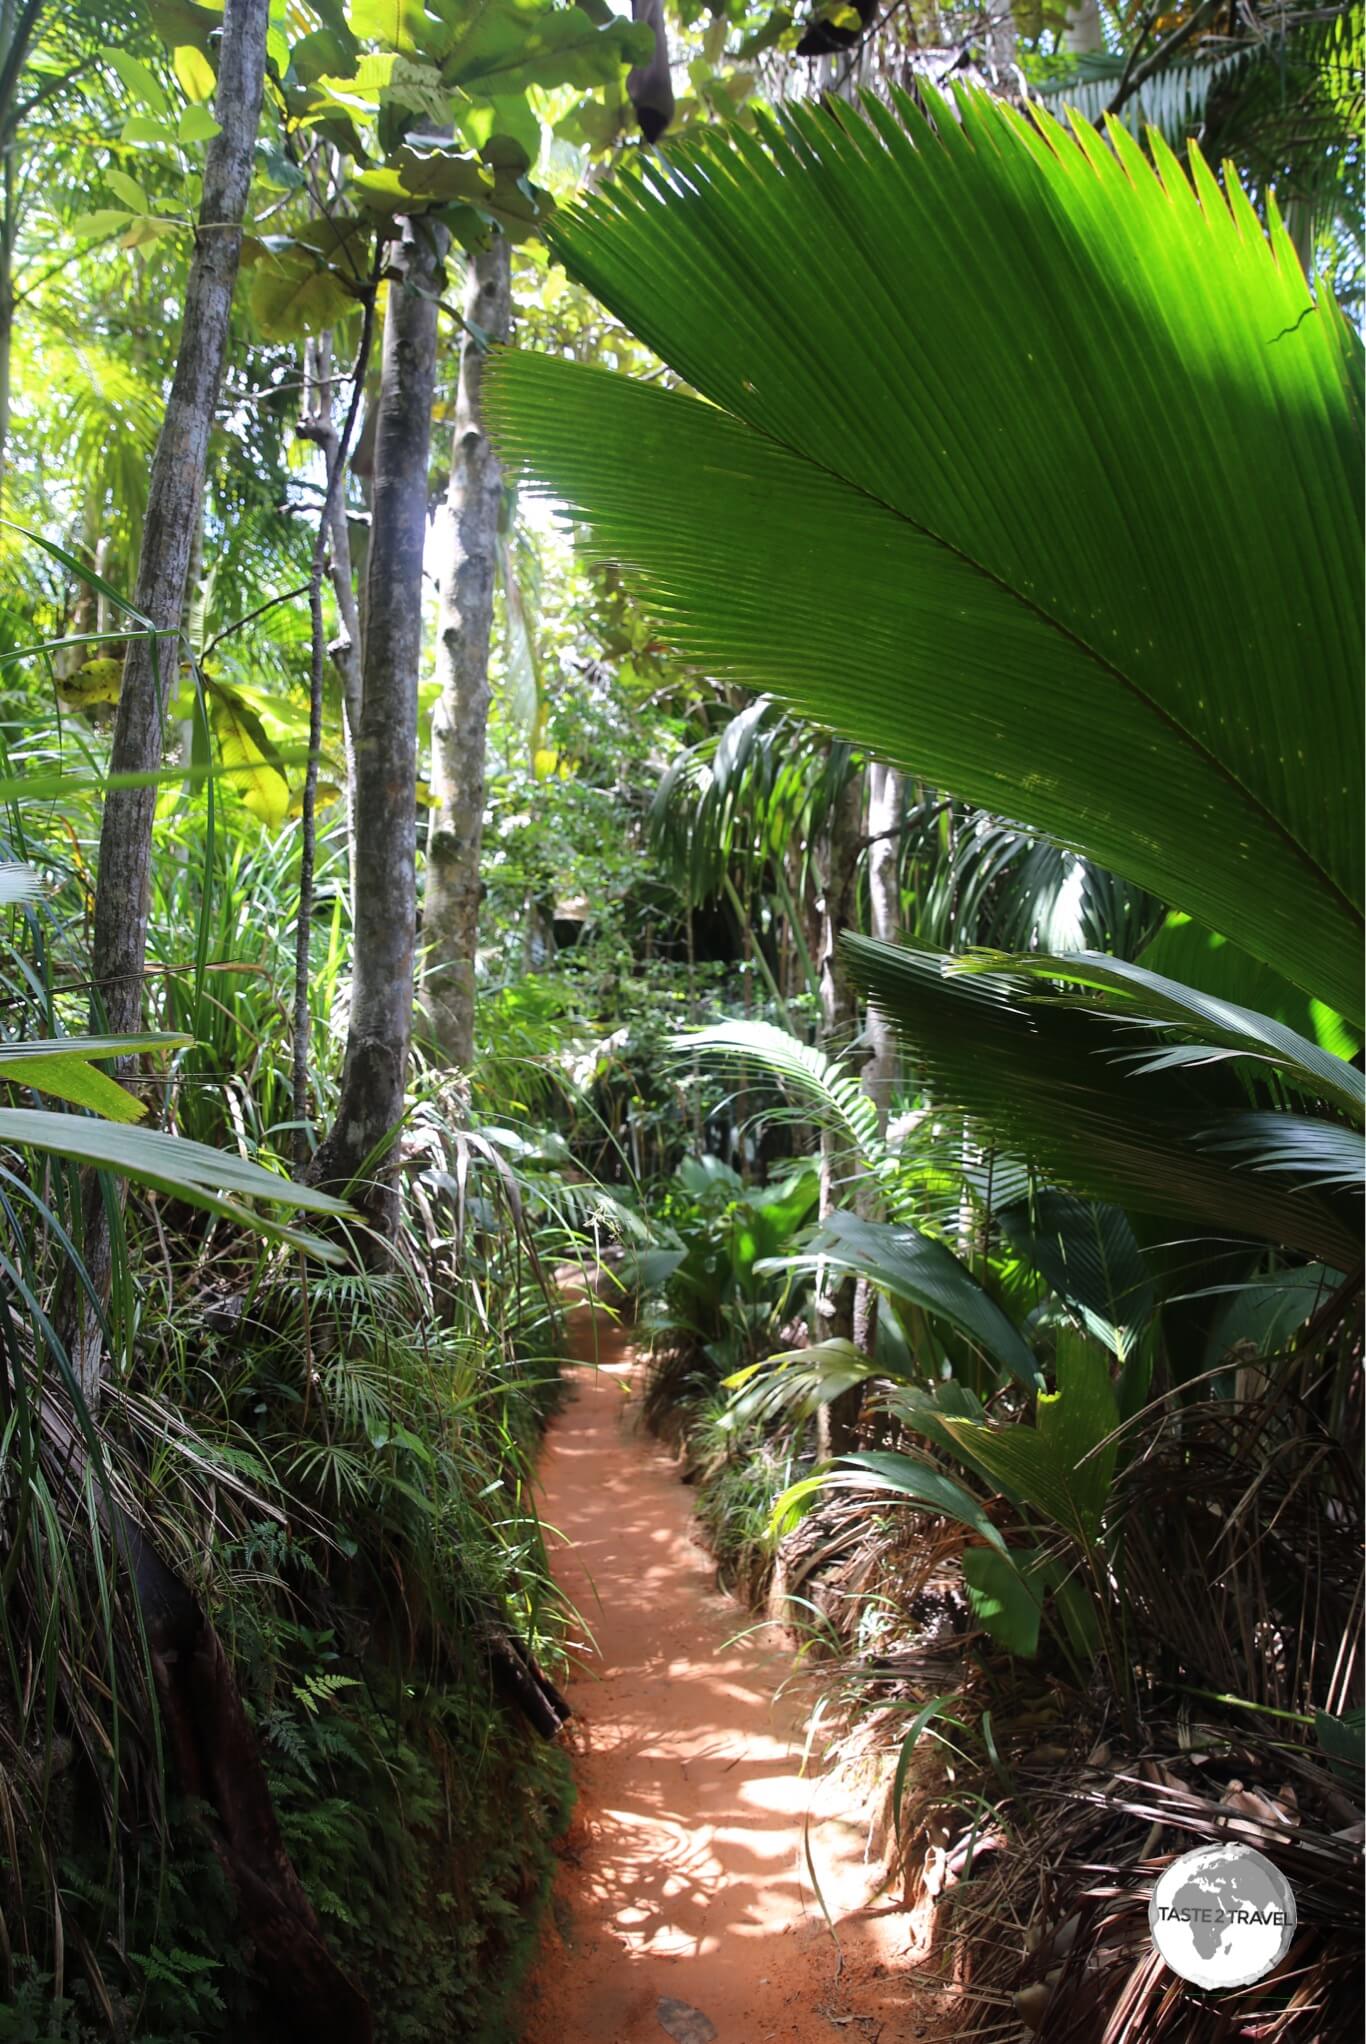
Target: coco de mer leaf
(1067,518)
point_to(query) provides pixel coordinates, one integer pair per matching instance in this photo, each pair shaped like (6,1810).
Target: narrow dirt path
(683,1906)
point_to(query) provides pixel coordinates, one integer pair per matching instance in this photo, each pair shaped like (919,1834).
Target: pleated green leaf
(918,1270)
(1023,464)
(1088,1254)
(1058,1085)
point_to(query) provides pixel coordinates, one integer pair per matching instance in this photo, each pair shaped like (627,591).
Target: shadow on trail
(683,1878)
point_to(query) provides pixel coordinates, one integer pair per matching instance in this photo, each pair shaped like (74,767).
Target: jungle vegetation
(721,643)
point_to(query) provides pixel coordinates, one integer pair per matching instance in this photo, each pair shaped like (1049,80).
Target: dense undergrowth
(333,1462)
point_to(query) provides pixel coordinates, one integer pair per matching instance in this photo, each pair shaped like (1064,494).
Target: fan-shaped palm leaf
(1068,522)
(1058,1085)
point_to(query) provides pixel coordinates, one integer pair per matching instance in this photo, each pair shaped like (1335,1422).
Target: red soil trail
(682,1892)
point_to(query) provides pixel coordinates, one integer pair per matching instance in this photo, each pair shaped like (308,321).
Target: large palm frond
(1057,525)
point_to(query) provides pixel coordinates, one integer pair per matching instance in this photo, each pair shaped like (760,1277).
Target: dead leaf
(683,2022)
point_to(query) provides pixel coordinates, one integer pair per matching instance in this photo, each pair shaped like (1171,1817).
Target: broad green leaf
(1343,1739)
(1088,1254)
(103,221)
(418,87)
(915,1267)
(899,1475)
(143,232)
(1076,1420)
(1022,1463)
(138,78)
(197,124)
(251,759)
(141,129)
(507,45)
(1182,950)
(128,189)
(1263,1316)
(430,177)
(1065,600)
(505,119)
(294,292)
(796,1383)
(396,24)
(1204,1018)
(1058,1467)
(1004,1599)
(62,1067)
(182,21)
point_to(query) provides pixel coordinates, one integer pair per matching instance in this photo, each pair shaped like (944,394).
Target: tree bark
(375,1070)
(174,509)
(886,801)
(1083,30)
(839,1017)
(319,426)
(450,915)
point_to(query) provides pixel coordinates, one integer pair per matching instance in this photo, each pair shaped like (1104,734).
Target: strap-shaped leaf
(1045,484)
(204,1177)
(64,1068)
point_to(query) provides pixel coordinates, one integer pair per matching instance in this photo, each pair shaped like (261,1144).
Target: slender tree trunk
(839,1018)
(450,917)
(319,426)
(379,1036)
(886,801)
(174,509)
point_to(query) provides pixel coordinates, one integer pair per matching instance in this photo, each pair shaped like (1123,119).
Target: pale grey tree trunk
(320,426)
(886,801)
(174,511)
(358,1146)
(1083,30)
(450,917)
(839,1020)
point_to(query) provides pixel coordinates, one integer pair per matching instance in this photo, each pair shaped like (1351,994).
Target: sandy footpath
(683,1907)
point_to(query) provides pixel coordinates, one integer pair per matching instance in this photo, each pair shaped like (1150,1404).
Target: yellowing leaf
(252,762)
(326,795)
(62,1067)
(97,681)
(144,231)
(425,798)
(194,72)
